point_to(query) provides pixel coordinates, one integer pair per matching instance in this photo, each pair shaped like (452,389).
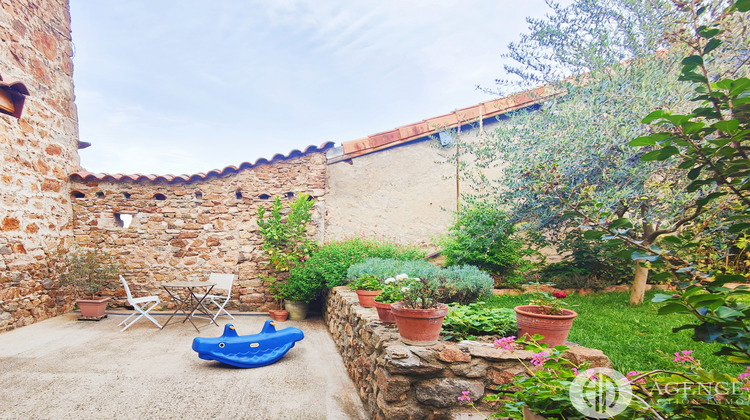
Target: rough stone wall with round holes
(37,152)
(184,231)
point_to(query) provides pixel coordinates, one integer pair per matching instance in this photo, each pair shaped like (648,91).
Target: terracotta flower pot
(278,314)
(554,328)
(419,327)
(367,297)
(92,308)
(384,312)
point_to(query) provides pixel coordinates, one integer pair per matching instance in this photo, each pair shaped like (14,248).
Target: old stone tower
(38,151)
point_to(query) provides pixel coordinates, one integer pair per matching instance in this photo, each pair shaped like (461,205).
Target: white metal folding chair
(223,283)
(139,304)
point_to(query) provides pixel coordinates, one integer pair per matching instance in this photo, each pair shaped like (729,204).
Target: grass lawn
(631,336)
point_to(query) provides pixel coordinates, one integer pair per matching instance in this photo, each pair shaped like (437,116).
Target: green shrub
(483,236)
(465,322)
(590,264)
(285,238)
(461,283)
(328,265)
(301,288)
(368,282)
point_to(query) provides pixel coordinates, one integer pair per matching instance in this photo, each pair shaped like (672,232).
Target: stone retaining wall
(398,381)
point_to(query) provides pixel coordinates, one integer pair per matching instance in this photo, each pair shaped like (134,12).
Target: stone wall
(185,230)
(37,152)
(398,381)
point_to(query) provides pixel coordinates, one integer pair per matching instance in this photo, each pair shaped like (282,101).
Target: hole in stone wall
(100,194)
(199,195)
(160,196)
(289,194)
(238,194)
(126,195)
(264,196)
(310,198)
(123,220)
(77,194)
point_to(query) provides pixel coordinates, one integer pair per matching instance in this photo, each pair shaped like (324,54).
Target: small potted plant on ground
(391,294)
(299,291)
(419,316)
(545,315)
(87,272)
(276,289)
(367,287)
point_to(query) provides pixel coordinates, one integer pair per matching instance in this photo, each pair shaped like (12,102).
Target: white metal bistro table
(191,302)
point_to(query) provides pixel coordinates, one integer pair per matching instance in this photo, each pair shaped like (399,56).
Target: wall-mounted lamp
(12,97)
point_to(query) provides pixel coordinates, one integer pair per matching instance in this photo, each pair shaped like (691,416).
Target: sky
(181,87)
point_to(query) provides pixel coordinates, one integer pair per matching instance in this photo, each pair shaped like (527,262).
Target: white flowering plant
(417,293)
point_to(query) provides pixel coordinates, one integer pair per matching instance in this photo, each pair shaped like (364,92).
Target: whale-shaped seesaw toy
(248,351)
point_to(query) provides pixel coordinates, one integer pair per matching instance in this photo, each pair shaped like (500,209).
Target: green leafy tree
(285,237)
(570,156)
(709,146)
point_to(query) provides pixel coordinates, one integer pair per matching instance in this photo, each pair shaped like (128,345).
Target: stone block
(411,365)
(503,375)
(444,392)
(475,369)
(453,353)
(578,355)
(489,352)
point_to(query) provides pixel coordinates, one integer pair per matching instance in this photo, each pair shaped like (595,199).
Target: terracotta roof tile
(434,125)
(201,176)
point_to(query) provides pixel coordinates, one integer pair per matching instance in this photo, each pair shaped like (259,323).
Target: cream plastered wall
(402,193)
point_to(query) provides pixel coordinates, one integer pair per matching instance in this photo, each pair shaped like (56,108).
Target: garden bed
(397,381)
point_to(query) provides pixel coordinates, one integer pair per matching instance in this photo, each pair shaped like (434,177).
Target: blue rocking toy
(248,351)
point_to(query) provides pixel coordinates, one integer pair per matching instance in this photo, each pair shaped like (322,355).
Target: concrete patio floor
(64,368)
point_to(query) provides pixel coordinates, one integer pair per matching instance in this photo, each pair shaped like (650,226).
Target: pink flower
(560,295)
(684,357)
(465,397)
(744,375)
(632,374)
(538,358)
(506,343)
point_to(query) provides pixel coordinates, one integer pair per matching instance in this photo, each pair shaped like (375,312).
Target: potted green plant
(419,316)
(286,242)
(391,294)
(367,287)
(545,315)
(87,272)
(277,290)
(299,290)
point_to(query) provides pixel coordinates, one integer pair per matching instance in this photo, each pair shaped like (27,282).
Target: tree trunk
(638,291)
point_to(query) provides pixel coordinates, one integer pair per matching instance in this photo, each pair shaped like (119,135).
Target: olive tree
(570,157)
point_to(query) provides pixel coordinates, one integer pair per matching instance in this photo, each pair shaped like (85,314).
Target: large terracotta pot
(278,314)
(297,309)
(419,327)
(554,328)
(92,308)
(367,297)
(384,312)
